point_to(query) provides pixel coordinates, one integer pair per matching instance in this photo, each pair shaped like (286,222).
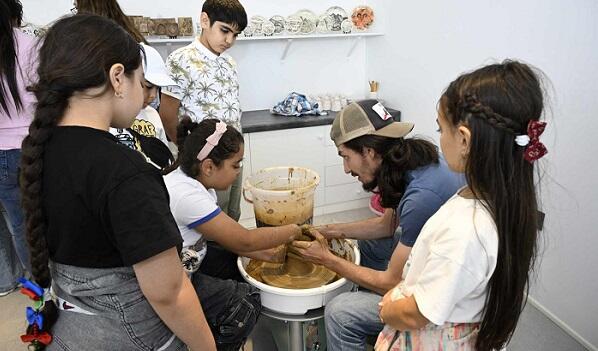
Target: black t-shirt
(105,205)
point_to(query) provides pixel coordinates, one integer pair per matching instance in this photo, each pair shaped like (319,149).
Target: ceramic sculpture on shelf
(144,26)
(335,17)
(278,22)
(257,22)
(248,31)
(347,26)
(160,26)
(322,26)
(309,21)
(172,30)
(293,24)
(136,20)
(268,28)
(185,26)
(362,17)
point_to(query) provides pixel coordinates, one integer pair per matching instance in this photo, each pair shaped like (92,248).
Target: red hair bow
(43,338)
(535,149)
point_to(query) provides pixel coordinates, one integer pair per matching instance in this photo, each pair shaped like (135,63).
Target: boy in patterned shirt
(208,85)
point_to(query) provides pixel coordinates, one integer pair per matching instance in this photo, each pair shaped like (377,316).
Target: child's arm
(276,254)
(236,238)
(401,314)
(169,110)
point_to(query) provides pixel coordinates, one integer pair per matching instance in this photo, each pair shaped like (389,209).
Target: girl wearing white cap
(148,122)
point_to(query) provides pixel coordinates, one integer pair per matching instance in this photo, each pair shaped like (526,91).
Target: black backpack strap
(154,148)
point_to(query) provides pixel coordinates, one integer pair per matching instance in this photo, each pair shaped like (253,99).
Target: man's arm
(371,228)
(169,110)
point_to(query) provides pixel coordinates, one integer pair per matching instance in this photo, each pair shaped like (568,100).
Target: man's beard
(371,185)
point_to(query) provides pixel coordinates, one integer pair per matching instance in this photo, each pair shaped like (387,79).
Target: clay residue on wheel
(295,273)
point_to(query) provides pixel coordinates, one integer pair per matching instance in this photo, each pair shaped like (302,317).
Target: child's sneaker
(375,205)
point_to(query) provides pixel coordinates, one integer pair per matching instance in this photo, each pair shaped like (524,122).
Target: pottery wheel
(296,274)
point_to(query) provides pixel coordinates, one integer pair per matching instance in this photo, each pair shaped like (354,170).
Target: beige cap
(366,117)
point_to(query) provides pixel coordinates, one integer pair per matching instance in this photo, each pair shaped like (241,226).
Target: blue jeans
(10,267)
(10,197)
(124,319)
(350,318)
(231,308)
(353,316)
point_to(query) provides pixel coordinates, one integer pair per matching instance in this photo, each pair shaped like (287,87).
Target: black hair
(191,138)
(227,11)
(77,54)
(399,155)
(11,15)
(496,103)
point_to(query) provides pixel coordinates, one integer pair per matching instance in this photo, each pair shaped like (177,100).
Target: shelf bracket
(354,43)
(169,48)
(286,49)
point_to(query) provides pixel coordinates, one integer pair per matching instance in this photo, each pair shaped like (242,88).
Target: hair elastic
(37,337)
(522,140)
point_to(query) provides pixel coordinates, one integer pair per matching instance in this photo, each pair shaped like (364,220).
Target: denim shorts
(122,317)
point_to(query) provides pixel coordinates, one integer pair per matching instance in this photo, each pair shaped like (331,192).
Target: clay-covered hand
(330,231)
(296,230)
(316,251)
(277,254)
(305,233)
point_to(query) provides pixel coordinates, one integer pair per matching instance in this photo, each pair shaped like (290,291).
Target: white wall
(428,44)
(312,66)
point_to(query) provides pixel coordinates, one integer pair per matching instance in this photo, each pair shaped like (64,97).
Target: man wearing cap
(148,124)
(413,181)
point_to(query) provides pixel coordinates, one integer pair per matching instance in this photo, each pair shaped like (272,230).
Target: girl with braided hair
(18,57)
(468,274)
(97,215)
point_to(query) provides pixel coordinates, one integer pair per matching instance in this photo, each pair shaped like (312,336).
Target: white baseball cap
(154,68)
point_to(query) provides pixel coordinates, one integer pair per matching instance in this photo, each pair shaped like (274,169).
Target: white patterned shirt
(208,86)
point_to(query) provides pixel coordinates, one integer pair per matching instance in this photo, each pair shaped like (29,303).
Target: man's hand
(329,231)
(316,251)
